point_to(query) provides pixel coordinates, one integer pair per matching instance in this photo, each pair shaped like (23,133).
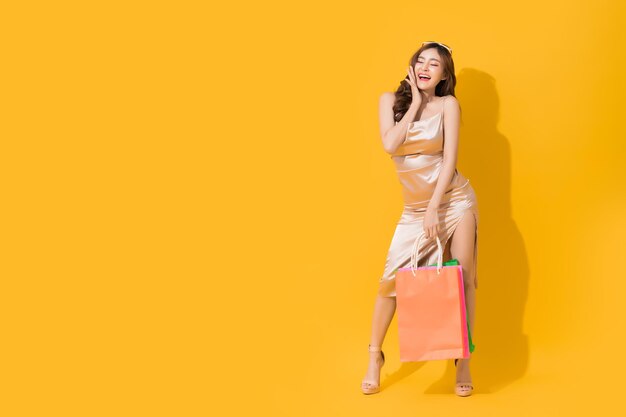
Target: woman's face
(429,64)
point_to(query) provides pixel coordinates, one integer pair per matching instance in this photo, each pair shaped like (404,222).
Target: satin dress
(418,161)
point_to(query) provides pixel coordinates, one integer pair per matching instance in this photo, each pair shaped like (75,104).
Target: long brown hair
(444,88)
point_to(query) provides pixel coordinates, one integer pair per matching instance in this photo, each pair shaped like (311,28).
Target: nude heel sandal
(459,387)
(370,386)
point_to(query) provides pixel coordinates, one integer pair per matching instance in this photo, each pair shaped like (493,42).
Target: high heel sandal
(369,386)
(459,390)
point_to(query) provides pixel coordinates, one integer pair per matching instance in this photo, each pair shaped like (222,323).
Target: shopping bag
(431,310)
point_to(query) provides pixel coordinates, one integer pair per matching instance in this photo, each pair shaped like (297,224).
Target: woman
(419,126)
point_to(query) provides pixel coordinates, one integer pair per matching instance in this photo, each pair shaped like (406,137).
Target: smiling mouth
(423,78)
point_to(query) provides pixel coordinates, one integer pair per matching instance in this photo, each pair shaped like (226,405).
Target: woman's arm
(452,112)
(393,134)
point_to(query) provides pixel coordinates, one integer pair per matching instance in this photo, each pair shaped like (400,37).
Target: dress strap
(443,105)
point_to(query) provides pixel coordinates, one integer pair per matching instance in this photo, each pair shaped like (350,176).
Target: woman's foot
(371,382)
(464,386)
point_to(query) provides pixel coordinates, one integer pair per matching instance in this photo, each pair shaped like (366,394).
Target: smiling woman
(419,126)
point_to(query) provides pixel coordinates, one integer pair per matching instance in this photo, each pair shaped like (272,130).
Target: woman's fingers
(432,231)
(411,75)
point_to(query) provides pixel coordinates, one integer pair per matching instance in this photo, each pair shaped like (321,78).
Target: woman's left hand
(431,223)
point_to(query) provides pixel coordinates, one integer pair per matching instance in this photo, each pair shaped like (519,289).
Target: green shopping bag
(469,334)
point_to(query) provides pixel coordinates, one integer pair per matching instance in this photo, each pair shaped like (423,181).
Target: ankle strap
(374,348)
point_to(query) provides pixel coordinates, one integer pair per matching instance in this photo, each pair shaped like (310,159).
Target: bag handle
(415,254)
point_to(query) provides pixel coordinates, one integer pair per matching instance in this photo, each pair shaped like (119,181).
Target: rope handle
(415,254)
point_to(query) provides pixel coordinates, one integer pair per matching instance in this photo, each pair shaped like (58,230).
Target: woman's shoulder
(449,98)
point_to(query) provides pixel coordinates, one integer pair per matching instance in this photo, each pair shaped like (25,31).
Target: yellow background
(197,206)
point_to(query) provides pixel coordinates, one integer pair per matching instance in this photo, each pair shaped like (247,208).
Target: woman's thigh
(461,244)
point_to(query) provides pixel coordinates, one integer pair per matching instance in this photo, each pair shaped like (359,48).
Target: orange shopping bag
(432,315)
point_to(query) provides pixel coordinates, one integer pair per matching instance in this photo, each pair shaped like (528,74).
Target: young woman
(419,126)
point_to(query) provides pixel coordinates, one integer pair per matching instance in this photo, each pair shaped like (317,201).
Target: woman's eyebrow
(434,59)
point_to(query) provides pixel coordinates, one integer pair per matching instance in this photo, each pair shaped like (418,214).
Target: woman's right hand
(415,92)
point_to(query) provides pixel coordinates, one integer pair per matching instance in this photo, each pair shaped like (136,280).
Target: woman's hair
(444,88)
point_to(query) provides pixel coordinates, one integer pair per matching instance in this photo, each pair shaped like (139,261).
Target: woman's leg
(462,248)
(384,309)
